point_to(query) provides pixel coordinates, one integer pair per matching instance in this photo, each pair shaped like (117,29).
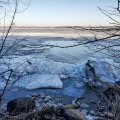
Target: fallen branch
(96,79)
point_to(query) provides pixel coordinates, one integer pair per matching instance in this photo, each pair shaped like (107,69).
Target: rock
(73,114)
(60,105)
(108,114)
(38,105)
(20,105)
(35,95)
(61,118)
(102,115)
(39,100)
(117,83)
(97,118)
(83,105)
(1,114)
(49,117)
(42,95)
(49,104)
(93,102)
(92,112)
(84,111)
(51,101)
(47,98)
(44,105)
(89,117)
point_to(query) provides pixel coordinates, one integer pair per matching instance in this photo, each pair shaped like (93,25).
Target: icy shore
(38,73)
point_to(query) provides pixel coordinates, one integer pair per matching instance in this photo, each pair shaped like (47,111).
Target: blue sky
(65,13)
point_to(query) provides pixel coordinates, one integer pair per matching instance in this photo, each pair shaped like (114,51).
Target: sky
(64,13)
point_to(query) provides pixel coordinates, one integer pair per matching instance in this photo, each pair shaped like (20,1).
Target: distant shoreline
(109,28)
(60,26)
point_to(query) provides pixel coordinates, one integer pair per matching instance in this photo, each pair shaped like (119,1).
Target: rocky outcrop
(20,105)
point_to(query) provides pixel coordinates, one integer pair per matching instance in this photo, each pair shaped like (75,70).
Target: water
(29,42)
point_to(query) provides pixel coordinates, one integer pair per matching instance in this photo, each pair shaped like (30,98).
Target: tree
(9,9)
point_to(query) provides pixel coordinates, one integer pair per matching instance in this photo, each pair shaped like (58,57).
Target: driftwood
(96,79)
(39,113)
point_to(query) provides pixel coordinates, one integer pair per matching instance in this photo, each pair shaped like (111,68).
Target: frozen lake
(63,68)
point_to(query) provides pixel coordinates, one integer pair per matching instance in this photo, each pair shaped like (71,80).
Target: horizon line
(64,26)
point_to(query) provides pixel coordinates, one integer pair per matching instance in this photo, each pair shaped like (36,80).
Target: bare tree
(8,12)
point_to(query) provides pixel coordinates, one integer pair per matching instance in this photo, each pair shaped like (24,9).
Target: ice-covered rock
(36,81)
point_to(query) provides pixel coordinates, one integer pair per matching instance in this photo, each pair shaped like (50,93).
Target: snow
(116,48)
(46,73)
(2,84)
(36,81)
(89,117)
(106,69)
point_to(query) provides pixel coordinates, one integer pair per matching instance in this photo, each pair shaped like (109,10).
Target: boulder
(20,105)
(83,105)
(47,98)
(73,114)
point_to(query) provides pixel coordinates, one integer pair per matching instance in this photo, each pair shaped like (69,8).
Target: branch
(8,31)
(96,79)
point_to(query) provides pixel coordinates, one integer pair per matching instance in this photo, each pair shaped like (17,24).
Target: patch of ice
(89,117)
(106,69)
(116,48)
(72,91)
(36,81)
(3,68)
(2,84)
